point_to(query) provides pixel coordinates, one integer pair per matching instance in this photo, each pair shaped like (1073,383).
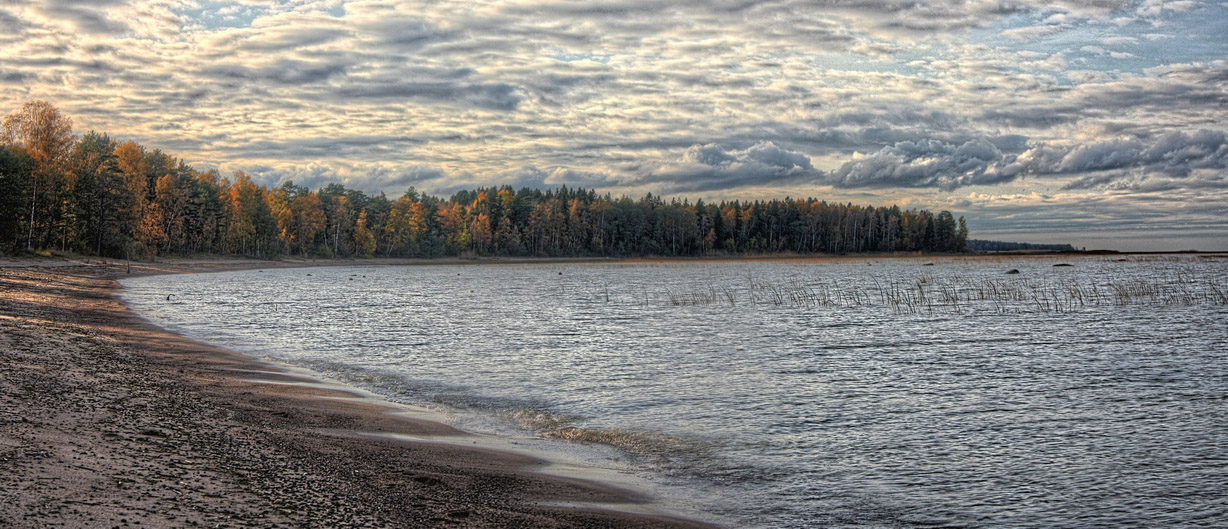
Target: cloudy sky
(1101,123)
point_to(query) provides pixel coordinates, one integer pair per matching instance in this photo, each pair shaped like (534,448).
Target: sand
(109,421)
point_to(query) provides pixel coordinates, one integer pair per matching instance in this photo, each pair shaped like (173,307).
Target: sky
(1098,123)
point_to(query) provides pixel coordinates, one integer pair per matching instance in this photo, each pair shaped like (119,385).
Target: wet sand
(109,421)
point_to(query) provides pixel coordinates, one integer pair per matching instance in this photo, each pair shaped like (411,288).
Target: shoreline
(109,420)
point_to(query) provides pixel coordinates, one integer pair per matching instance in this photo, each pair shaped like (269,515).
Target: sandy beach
(109,421)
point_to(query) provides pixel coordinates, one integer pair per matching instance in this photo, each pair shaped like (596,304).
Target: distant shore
(109,421)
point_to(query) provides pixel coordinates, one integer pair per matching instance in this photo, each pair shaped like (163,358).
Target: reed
(953,294)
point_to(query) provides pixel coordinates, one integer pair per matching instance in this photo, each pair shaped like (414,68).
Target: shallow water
(837,393)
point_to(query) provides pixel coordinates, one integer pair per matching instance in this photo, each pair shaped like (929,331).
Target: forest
(95,195)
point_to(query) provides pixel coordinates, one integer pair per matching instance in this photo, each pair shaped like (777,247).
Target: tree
(397,228)
(250,228)
(364,240)
(205,223)
(102,198)
(150,230)
(15,169)
(39,129)
(339,221)
(309,220)
(131,160)
(172,204)
(961,235)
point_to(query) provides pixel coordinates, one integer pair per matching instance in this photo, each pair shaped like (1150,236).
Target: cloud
(369,178)
(290,38)
(320,148)
(1031,32)
(729,97)
(406,33)
(931,163)
(85,16)
(283,72)
(10,23)
(495,96)
(712,167)
(1174,155)
(925,163)
(1130,163)
(14,76)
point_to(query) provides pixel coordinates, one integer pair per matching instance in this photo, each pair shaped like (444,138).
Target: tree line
(95,195)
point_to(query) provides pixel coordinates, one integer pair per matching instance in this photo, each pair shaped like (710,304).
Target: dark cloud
(406,33)
(11,24)
(1128,163)
(714,167)
(497,96)
(183,97)
(323,147)
(1174,154)
(1033,116)
(284,72)
(15,76)
(311,177)
(576,178)
(1094,180)
(925,163)
(933,163)
(87,16)
(291,38)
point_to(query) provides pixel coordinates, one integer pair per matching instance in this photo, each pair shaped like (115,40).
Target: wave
(647,444)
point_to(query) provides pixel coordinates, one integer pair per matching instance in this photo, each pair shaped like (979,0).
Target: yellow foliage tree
(364,240)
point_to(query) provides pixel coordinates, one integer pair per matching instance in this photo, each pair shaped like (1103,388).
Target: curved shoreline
(109,420)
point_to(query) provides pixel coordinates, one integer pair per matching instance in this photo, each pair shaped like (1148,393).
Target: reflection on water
(840,393)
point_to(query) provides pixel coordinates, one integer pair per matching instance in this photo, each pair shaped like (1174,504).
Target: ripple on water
(794,394)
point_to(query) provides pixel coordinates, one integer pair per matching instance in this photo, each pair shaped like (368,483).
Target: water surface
(813,393)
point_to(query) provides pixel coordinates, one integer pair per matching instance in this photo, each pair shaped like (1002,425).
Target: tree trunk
(33,195)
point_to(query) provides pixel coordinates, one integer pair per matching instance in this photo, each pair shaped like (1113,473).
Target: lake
(877,392)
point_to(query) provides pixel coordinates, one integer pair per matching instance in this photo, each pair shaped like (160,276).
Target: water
(837,393)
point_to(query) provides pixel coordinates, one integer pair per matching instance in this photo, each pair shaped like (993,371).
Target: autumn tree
(452,219)
(171,201)
(40,130)
(396,233)
(250,227)
(102,198)
(364,240)
(130,158)
(151,230)
(308,220)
